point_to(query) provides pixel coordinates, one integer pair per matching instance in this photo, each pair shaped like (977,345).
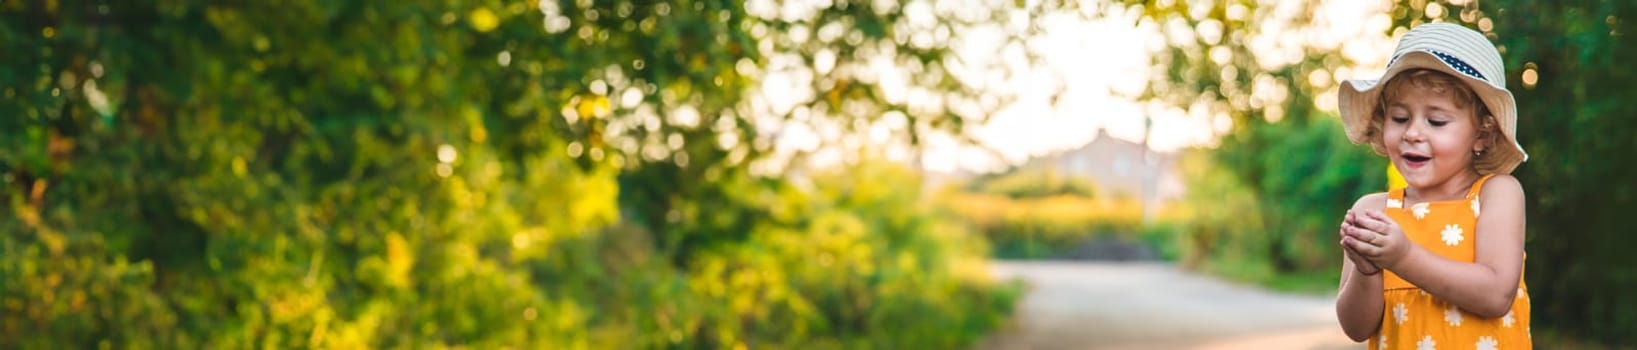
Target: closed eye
(1437,122)
(1400,120)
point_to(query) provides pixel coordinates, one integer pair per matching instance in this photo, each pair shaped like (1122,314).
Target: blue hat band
(1456,63)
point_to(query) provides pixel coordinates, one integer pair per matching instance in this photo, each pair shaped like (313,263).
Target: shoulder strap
(1395,198)
(1477,187)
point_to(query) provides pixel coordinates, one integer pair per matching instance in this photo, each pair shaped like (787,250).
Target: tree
(1258,67)
(1564,68)
(364,174)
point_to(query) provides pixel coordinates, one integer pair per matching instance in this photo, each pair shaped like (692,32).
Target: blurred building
(1118,168)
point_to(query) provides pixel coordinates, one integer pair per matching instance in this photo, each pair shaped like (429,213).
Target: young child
(1438,264)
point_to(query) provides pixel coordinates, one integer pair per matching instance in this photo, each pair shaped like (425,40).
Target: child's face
(1429,137)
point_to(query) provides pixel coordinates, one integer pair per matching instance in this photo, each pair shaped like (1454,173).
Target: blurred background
(759,174)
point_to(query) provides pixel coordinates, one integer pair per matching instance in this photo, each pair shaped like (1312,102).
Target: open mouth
(1415,160)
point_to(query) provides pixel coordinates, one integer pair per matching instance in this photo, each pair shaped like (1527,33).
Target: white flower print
(1382,344)
(1453,316)
(1506,321)
(1426,344)
(1395,204)
(1452,234)
(1420,210)
(1486,343)
(1400,313)
(1475,209)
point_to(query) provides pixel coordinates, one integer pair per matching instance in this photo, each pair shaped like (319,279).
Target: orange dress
(1414,319)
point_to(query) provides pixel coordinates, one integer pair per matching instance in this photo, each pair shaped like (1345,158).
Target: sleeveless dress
(1414,319)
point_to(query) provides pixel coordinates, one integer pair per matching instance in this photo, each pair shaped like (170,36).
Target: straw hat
(1459,52)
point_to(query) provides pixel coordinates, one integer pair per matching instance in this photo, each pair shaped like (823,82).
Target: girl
(1438,264)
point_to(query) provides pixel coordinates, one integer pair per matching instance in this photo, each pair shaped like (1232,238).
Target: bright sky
(1093,65)
(1097,65)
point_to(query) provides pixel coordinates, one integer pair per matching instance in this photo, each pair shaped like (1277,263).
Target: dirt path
(1101,305)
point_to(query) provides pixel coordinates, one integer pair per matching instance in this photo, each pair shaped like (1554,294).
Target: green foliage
(1304,175)
(1044,227)
(1020,184)
(1574,119)
(924,262)
(1220,222)
(186,174)
(1290,172)
(833,267)
(1032,213)
(1276,231)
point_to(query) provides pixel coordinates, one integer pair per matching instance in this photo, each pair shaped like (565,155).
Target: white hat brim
(1359,97)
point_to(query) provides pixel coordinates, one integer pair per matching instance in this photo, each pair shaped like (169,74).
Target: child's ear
(1486,135)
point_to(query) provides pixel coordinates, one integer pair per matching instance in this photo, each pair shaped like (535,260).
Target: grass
(1314,283)
(1250,271)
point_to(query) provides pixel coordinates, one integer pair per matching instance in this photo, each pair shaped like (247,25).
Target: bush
(1044,226)
(351,174)
(1032,184)
(1270,217)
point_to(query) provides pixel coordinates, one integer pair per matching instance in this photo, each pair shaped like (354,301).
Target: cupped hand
(1362,265)
(1375,237)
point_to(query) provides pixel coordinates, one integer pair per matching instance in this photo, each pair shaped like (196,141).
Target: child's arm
(1359,304)
(1485,287)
